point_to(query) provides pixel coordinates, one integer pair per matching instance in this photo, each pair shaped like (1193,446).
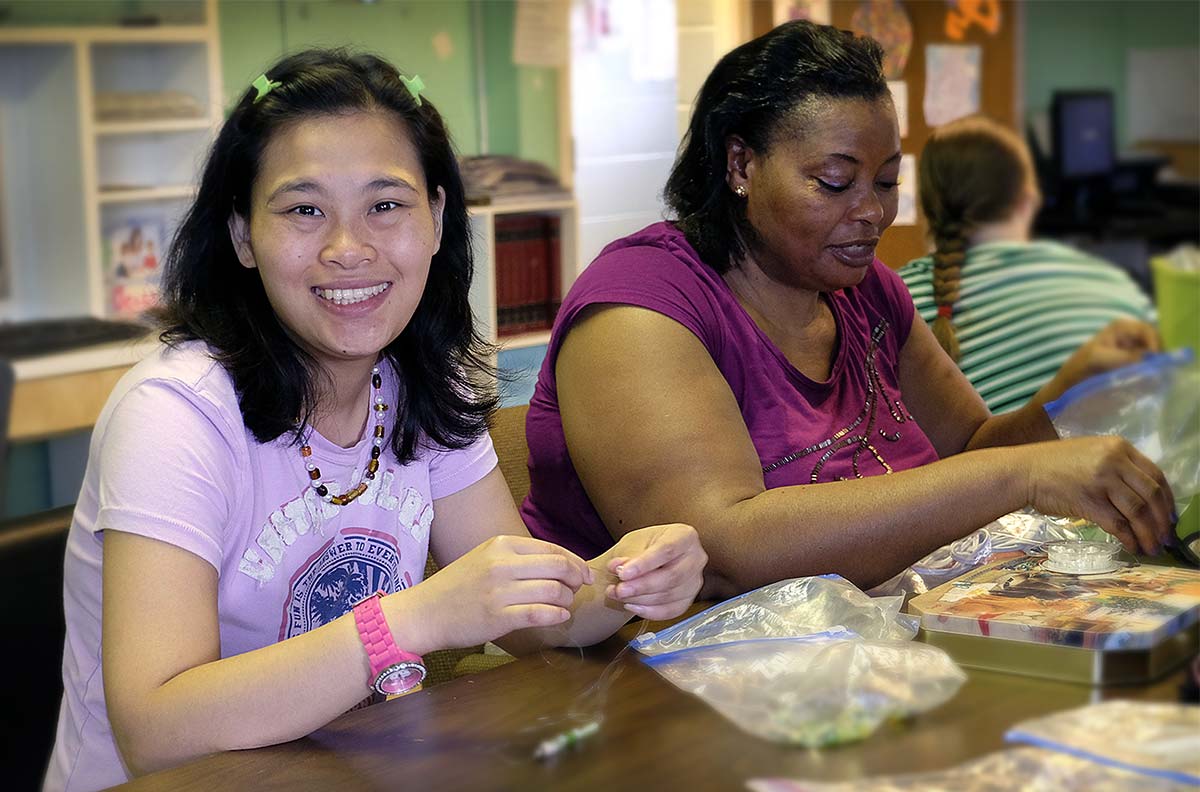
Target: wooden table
(65,392)
(478,732)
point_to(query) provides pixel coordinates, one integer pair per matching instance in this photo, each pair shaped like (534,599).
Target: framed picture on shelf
(133,250)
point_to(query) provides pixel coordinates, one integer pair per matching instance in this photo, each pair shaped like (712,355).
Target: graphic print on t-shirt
(352,565)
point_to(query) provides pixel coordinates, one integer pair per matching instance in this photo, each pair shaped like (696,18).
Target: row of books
(528,279)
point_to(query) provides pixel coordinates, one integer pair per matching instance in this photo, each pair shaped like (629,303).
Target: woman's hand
(1106,480)
(506,583)
(1121,343)
(659,570)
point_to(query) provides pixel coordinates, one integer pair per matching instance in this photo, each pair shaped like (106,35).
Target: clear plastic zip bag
(1154,404)
(808,661)
(787,609)
(1031,769)
(814,690)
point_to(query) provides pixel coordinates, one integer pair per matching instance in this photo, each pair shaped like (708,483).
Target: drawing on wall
(813,10)
(962,14)
(906,213)
(1155,80)
(541,34)
(952,74)
(133,250)
(899,90)
(887,22)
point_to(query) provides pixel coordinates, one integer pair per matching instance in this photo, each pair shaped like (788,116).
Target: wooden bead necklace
(314,472)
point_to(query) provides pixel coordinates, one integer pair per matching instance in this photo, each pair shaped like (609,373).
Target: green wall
(433,38)
(1072,44)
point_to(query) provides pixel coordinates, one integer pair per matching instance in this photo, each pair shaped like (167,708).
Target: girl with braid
(1012,311)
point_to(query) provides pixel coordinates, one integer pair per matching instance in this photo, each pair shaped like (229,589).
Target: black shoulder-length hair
(445,374)
(754,92)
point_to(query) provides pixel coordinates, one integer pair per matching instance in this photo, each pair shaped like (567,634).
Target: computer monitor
(1084,140)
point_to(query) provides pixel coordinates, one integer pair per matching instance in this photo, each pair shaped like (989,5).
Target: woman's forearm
(864,529)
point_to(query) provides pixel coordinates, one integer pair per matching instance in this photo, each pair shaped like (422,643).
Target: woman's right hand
(506,583)
(1103,479)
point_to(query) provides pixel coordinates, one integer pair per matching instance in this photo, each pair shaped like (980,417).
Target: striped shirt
(1023,308)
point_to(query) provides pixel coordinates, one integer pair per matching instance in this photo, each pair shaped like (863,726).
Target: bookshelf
(487,287)
(102,132)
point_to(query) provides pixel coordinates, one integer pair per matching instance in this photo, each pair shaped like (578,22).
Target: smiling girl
(246,557)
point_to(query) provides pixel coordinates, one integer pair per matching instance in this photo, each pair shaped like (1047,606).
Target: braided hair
(972,171)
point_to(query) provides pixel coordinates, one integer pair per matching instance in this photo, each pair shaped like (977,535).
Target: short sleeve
(453,470)
(167,470)
(647,277)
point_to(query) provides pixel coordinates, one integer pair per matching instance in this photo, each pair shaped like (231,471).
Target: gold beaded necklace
(314,472)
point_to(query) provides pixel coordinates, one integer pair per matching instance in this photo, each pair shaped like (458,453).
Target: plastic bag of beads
(787,609)
(1154,405)
(1003,771)
(1156,738)
(813,690)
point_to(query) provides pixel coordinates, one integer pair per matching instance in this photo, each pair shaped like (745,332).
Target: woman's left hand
(659,570)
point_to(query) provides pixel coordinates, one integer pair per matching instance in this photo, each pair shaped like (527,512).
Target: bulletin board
(991,25)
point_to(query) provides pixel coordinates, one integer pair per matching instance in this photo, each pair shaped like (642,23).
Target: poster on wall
(541,33)
(906,214)
(899,90)
(1155,82)
(887,22)
(813,10)
(952,73)
(962,15)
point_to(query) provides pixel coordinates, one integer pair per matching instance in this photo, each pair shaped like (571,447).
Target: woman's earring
(740,191)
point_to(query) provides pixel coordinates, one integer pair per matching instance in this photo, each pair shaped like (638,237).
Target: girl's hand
(506,583)
(1106,480)
(659,570)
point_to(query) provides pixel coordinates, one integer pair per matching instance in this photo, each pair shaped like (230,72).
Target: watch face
(400,678)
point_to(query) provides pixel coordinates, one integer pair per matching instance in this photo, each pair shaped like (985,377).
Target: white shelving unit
(483,288)
(69,177)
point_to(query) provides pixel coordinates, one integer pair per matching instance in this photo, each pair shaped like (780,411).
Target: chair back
(31,572)
(512,450)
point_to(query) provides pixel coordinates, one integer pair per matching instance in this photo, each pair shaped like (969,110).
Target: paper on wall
(906,214)
(541,33)
(813,10)
(1158,83)
(952,73)
(899,90)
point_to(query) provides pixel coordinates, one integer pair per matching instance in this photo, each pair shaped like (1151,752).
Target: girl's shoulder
(186,372)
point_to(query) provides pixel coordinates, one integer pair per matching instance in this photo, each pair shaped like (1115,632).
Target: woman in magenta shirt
(752,369)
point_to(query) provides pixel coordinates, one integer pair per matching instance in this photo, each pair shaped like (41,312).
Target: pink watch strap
(382,652)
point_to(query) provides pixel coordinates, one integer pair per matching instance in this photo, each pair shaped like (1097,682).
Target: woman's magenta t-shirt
(853,425)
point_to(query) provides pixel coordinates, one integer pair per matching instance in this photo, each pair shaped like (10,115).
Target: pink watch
(394,670)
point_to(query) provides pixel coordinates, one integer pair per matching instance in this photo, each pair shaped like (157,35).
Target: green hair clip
(264,85)
(414,85)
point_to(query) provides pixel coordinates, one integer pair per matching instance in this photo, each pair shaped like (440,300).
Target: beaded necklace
(314,472)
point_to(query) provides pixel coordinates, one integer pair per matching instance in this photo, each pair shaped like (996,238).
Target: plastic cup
(1177,294)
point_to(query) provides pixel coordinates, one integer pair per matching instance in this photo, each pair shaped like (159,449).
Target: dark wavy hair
(756,92)
(445,374)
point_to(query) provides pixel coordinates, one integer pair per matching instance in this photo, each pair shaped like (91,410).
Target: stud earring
(740,191)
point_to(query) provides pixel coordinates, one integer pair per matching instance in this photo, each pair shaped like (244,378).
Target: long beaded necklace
(314,472)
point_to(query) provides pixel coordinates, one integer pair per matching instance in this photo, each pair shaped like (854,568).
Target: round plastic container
(1081,558)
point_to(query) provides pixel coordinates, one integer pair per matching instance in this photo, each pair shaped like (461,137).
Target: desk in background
(467,734)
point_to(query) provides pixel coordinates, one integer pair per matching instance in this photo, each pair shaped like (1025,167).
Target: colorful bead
(314,473)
